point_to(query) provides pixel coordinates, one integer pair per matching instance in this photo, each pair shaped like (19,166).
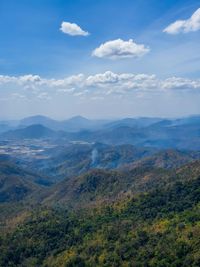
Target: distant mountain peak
(38,116)
(78,118)
(29,132)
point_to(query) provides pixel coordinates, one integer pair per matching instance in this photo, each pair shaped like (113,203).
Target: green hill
(156,228)
(166,159)
(15,183)
(98,185)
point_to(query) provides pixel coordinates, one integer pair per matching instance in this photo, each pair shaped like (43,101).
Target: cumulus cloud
(95,86)
(183,26)
(72,29)
(20,79)
(119,48)
(180,83)
(102,78)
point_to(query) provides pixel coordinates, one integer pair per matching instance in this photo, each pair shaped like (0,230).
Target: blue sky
(31,43)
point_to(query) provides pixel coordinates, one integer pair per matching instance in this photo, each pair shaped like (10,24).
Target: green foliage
(15,183)
(159,228)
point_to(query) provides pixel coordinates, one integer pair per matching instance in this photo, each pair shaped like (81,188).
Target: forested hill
(156,228)
(105,186)
(15,183)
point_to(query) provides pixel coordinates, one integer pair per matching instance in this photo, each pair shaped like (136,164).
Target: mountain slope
(164,134)
(31,132)
(15,184)
(40,120)
(132,122)
(167,159)
(73,124)
(97,186)
(158,228)
(104,186)
(75,159)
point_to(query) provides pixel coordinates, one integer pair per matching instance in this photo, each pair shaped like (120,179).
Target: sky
(99,59)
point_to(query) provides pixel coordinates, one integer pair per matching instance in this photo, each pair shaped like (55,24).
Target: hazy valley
(126,174)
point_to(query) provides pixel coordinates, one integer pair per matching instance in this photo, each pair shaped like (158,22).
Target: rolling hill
(35,131)
(73,124)
(166,159)
(134,229)
(15,183)
(75,159)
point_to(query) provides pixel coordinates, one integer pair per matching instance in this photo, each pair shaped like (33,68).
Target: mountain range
(73,124)
(143,132)
(79,179)
(79,123)
(106,193)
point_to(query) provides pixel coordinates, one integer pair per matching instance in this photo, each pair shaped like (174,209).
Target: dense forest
(156,228)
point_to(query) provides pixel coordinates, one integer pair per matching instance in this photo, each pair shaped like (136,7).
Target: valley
(72,198)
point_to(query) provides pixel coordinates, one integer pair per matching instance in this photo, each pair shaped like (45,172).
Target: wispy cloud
(72,29)
(119,48)
(183,26)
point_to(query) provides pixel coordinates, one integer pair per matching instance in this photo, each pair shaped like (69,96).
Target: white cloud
(72,29)
(183,26)
(120,49)
(71,80)
(93,86)
(20,79)
(180,83)
(102,78)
